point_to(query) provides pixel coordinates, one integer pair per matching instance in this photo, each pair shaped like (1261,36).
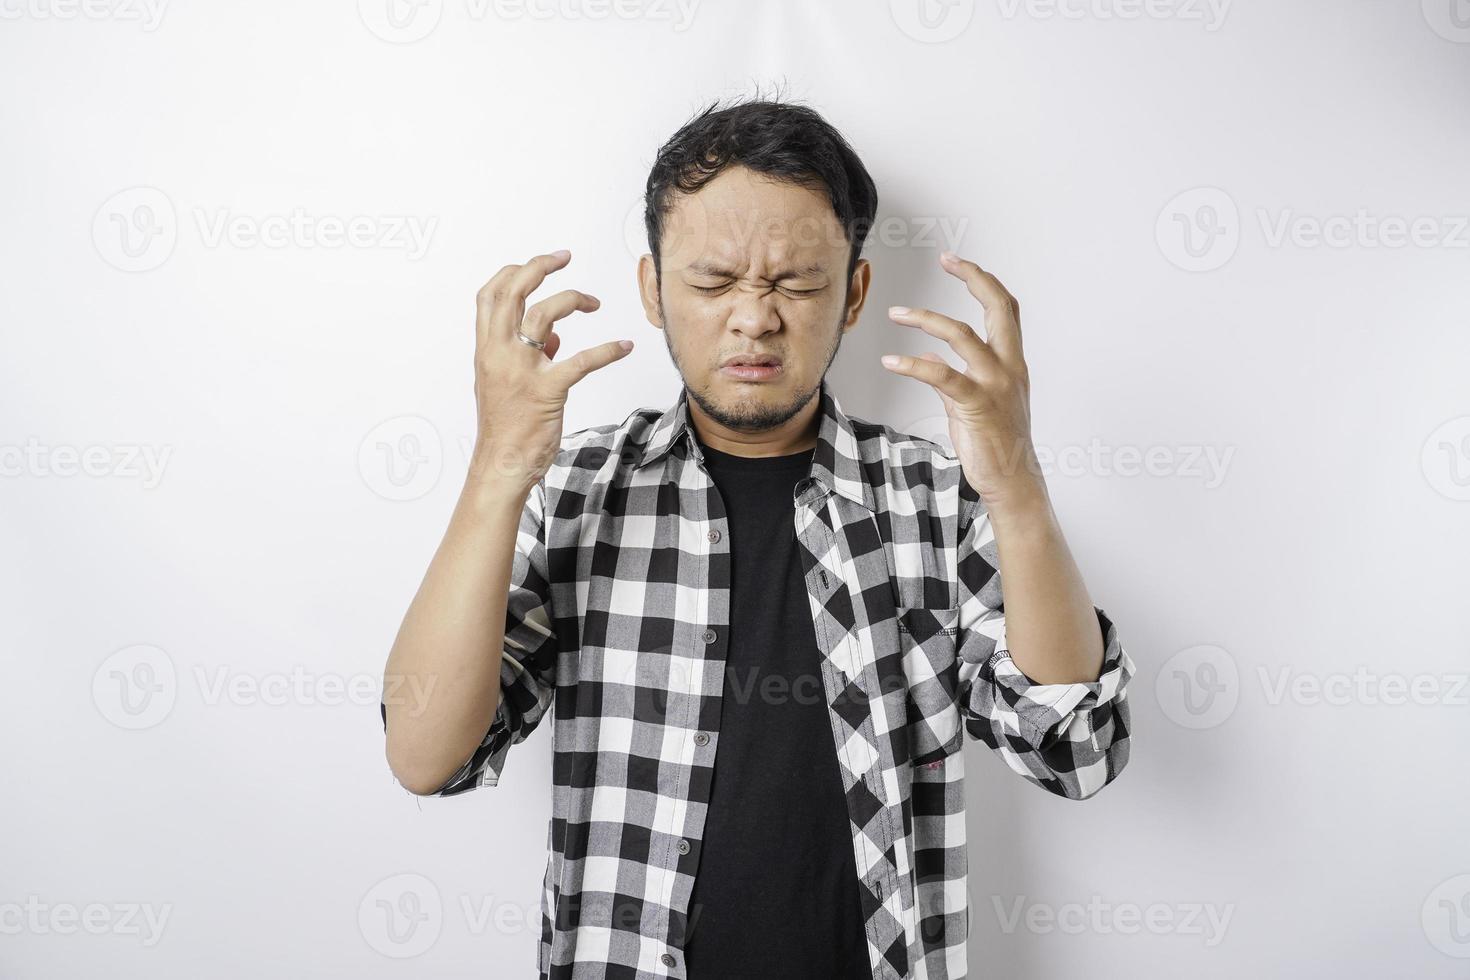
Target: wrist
(1022,502)
(501,468)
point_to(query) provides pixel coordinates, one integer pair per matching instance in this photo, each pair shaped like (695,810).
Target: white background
(1297,800)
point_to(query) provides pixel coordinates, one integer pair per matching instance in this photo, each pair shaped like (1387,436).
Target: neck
(797,434)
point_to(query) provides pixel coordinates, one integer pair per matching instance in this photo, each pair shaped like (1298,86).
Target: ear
(648,291)
(857,293)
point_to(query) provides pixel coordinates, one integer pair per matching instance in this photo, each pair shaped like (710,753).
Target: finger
(509,289)
(931,356)
(485,301)
(584,362)
(939,375)
(540,317)
(1002,311)
(961,337)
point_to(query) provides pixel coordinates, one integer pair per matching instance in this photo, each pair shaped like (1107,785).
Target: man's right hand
(520,392)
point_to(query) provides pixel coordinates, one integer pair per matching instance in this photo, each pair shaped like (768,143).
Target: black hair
(780,139)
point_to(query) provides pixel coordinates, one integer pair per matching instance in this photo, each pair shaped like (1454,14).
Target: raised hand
(520,391)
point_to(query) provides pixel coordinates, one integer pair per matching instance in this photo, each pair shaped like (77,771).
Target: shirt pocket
(927,644)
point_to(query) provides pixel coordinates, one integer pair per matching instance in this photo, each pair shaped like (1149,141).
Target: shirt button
(710,636)
(667,959)
(683,846)
(701,738)
(714,536)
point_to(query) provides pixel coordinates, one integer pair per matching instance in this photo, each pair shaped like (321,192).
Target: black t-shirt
(775,892)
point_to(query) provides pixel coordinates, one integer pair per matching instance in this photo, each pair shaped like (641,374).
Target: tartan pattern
(617,621)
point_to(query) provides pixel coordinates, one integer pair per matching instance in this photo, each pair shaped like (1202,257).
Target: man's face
(752,266)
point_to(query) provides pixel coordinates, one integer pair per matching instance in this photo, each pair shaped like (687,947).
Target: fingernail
(625,344)
(561,253)
(890,360)
(949,256)
(898,311)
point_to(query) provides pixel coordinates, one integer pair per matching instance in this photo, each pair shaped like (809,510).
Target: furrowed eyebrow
(813,271)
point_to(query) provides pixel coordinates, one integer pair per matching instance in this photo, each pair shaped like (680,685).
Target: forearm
(447,649)
(1051,626)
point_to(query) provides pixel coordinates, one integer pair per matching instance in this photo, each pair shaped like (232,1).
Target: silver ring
(538,344)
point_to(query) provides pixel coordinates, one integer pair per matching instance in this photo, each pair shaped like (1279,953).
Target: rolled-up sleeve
(1070,739)
(527,660)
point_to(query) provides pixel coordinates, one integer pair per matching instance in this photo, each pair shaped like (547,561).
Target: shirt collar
(836,463)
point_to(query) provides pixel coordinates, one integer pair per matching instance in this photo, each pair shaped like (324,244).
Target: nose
(754,312)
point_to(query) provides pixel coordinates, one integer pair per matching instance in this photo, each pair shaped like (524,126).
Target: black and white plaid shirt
(618,621)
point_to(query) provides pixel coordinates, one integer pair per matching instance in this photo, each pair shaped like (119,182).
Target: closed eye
(785,289)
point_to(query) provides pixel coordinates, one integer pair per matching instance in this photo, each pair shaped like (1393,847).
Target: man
(762,627)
